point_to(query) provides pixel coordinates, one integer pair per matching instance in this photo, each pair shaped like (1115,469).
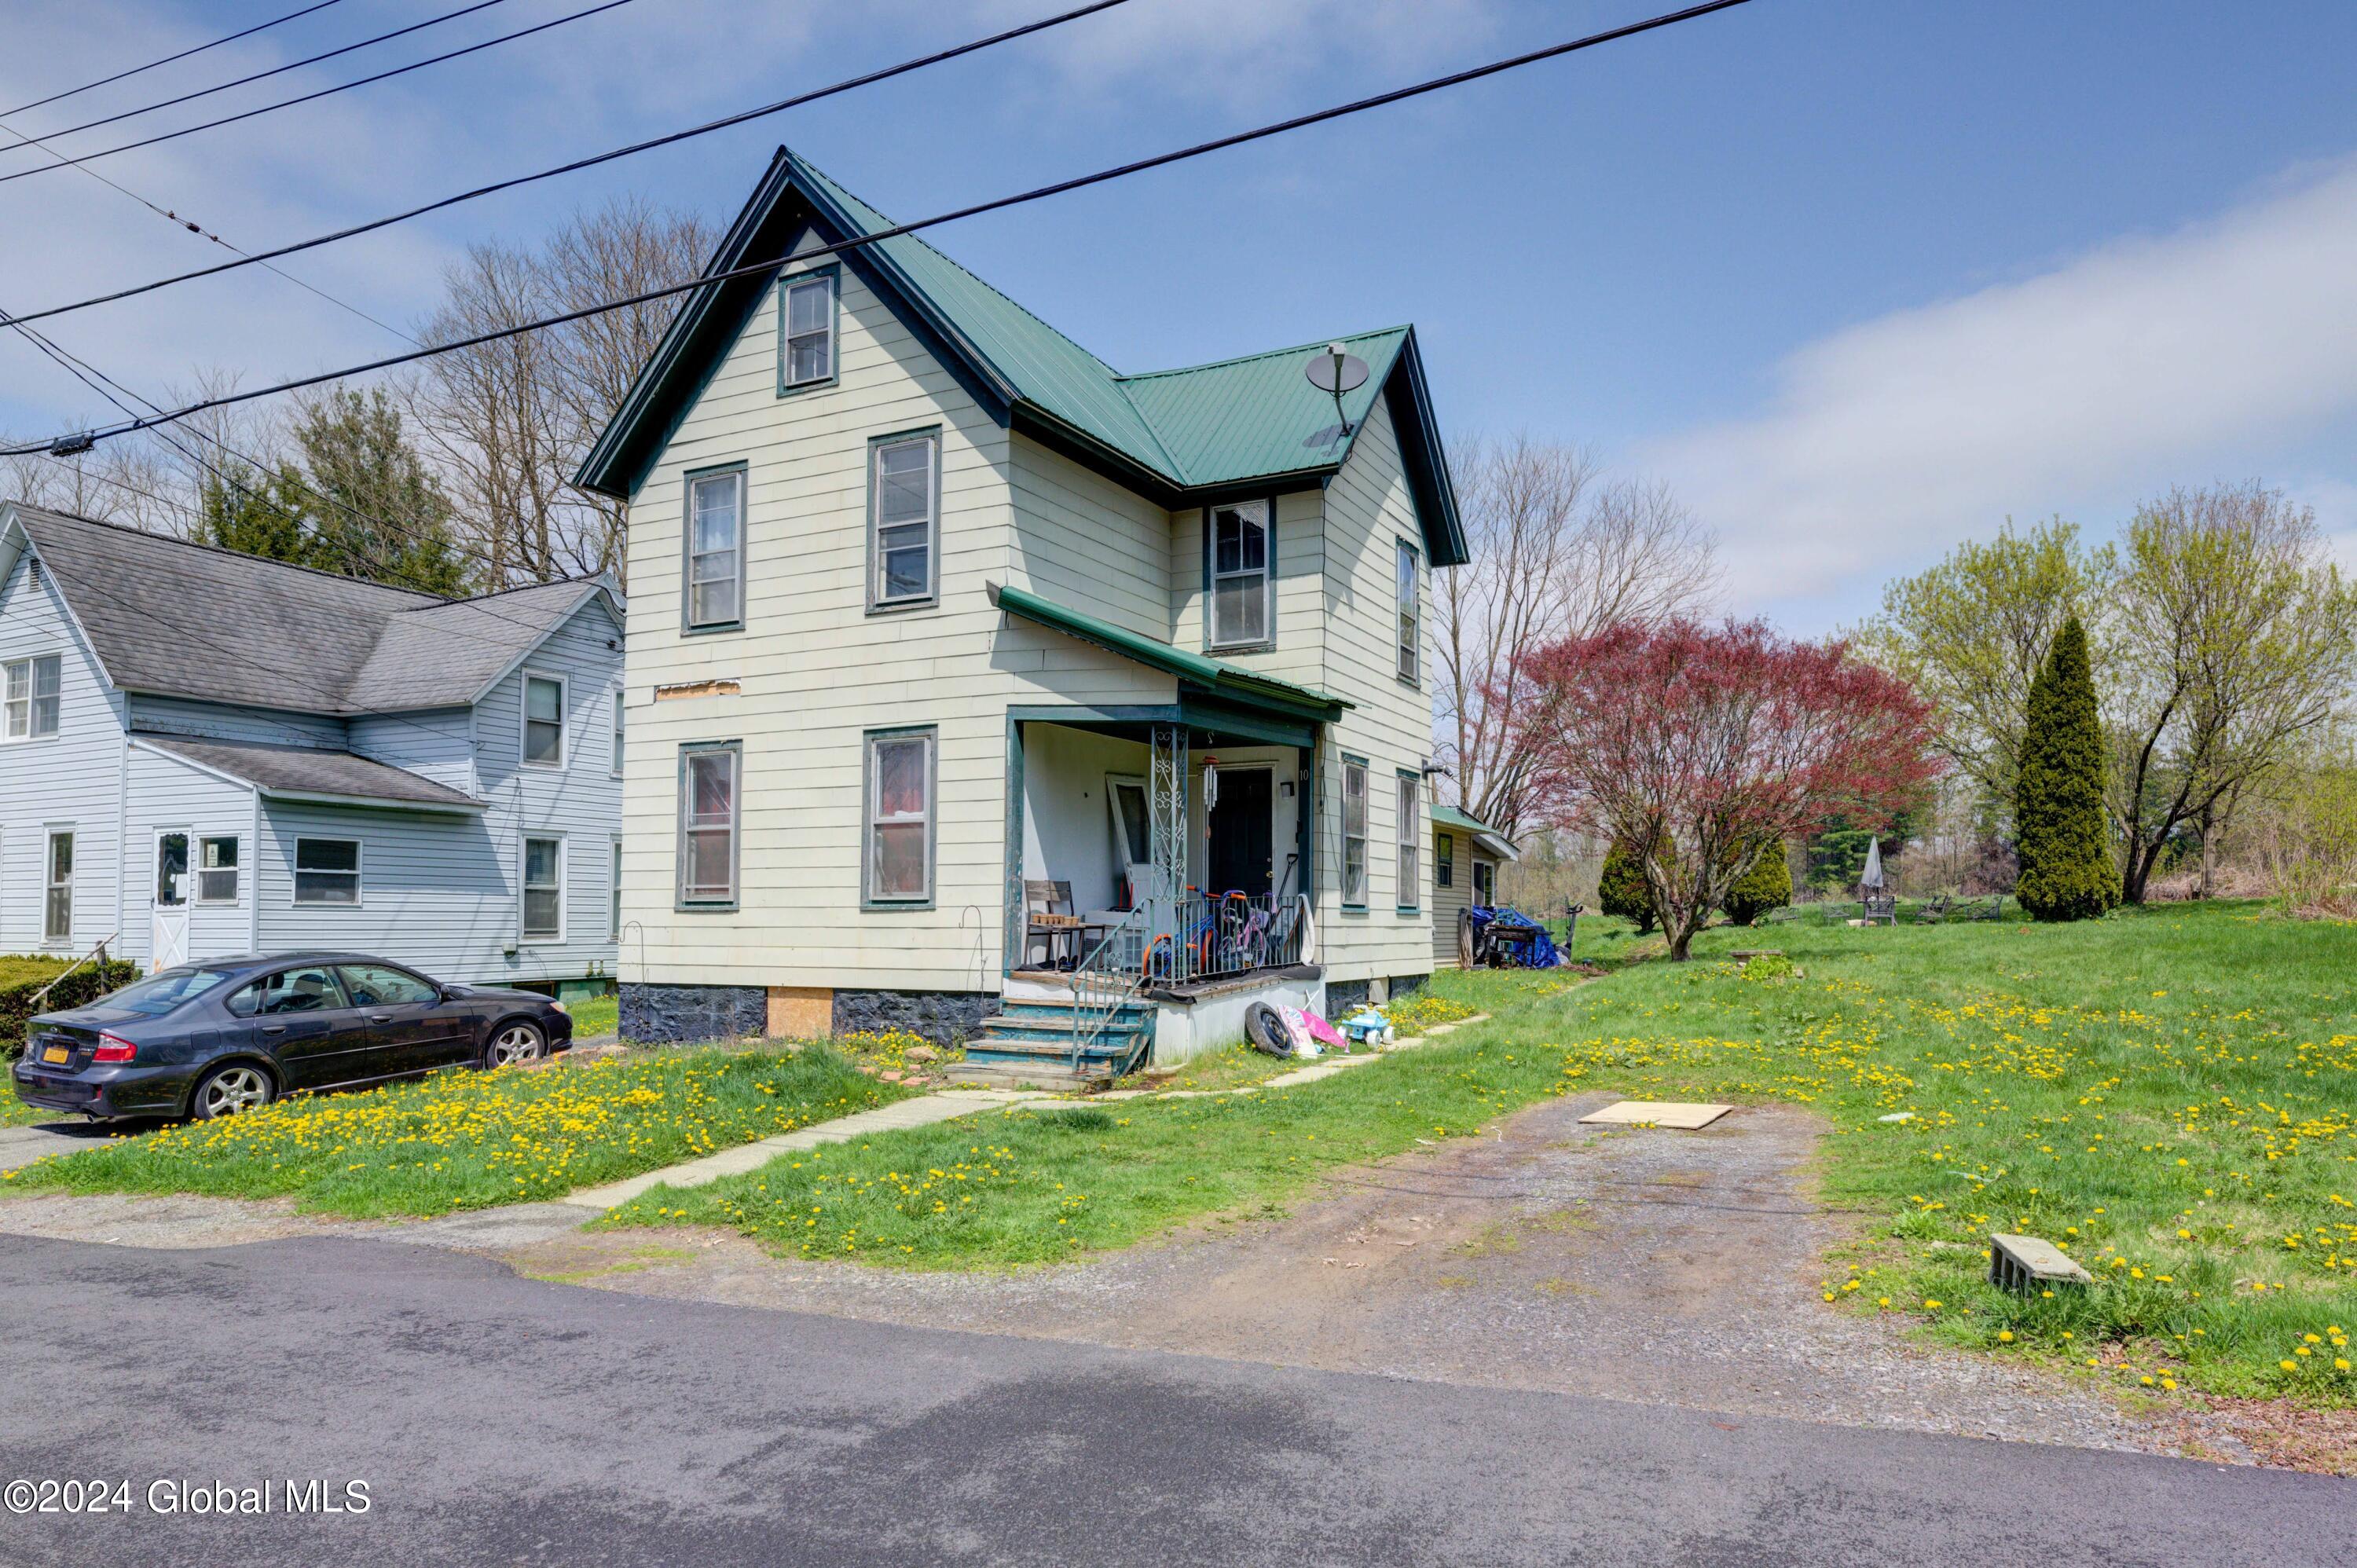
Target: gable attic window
(806,318)
(32,697)
(715,551)
(544,721)
(1242,586)
(904,495)
(1411,621)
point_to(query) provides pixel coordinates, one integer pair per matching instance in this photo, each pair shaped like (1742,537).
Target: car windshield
(159,994)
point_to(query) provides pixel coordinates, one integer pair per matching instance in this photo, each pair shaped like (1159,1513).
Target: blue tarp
(1538,955)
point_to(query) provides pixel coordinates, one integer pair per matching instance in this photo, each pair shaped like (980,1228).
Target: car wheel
(227,1090)
(515,1042)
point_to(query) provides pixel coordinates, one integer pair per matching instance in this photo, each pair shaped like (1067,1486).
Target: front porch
(1160,880)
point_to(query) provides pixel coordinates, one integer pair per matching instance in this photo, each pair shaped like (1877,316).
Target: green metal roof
(1211,428)
(1215,676)
(1449,816)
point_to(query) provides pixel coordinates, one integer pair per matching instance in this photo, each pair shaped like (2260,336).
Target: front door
(1242,855)
(171,922)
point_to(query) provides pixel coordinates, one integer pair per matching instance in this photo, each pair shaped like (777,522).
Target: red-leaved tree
(1703,747)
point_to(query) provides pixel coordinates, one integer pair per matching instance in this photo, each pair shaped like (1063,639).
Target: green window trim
(1354,773)
(1409,830)
(878,602)
(707,895)
(831,277)
(875,821)
(688,554)
(1408,634)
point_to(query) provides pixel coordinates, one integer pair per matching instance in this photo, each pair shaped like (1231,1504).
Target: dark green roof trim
(1493,840)
(1181,437)
(1215,678)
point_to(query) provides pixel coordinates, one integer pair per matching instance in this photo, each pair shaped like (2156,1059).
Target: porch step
(1032,1042)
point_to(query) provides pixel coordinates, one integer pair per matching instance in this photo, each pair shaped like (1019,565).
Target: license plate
(56,1054)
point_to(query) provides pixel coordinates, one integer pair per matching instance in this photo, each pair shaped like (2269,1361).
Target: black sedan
(214,1038)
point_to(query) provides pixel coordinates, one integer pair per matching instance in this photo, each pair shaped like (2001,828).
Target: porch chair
(1049,918)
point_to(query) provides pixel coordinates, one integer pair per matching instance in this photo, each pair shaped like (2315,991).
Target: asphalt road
(500,1419)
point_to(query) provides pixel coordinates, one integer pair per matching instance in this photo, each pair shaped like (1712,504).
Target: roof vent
(32,572)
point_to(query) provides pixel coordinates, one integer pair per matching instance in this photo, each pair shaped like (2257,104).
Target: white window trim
(197,870)
(614,763)
(931,441)
(294,873)
(872,816)
(563,720)
(51,832)
(1213,576)
(786,288)
(737,475)
(524,889)
(30,663)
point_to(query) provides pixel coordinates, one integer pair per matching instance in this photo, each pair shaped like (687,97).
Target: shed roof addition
(307,773)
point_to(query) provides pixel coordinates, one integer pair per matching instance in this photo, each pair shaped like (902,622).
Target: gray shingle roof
(306,771)
(181,619)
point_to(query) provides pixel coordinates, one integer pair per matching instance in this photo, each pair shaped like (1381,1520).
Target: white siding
(222,721)
(431,890)
(166,792)
(73,779)
(436,744)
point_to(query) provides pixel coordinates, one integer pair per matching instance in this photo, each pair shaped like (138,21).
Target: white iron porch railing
(1199,937)
(1106,979)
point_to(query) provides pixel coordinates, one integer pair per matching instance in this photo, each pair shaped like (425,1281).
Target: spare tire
(1265,1028)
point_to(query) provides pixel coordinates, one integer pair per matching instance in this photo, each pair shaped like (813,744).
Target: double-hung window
(1444,861)
(1241,578)
(614,893)
(900,817)
(617,759)
(904,493)
(32,698)
(216,870)
(806,354)
(715,550)
(326,870)
(57,910)
(1354,834)
(1410,618)
(544,721)
(543,890)
(1411,864)
(707,824)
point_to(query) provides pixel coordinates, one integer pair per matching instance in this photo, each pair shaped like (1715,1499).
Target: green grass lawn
(599,1015)
(472,1140)
(2172,1095)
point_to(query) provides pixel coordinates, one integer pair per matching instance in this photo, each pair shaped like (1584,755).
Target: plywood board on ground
(1685,1118)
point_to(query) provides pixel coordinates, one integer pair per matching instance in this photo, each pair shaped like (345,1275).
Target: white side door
(171,926)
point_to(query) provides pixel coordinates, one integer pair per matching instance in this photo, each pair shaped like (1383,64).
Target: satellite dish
(1336,372)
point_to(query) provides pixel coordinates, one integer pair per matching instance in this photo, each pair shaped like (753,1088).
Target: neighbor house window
(900,817)
(614,893)
(543,890)
(617,757)
(1241,576)
(326,870)
(715,550)
(544,721)
(1485,883)
(1410,624)
(32,697)
(905,492)
(1444,861)
(1411,862)
(1354,834)
(216,870)
(57,912)
(707,823)
(807,355)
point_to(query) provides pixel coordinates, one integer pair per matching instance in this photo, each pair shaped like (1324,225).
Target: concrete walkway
(923,1110)
(21,1146)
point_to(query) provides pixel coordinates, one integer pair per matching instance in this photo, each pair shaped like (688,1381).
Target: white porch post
(1166,804)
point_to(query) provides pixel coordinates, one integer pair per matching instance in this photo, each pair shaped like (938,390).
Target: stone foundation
(942,1018)
(672,1013)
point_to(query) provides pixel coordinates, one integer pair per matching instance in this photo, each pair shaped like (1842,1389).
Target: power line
(329,91)
(77,440)
(168,60)
(278,69)
(846,85)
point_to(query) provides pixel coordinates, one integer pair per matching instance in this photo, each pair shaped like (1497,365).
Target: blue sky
(1859,279)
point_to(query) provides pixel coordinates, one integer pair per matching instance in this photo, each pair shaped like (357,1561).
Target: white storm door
(171,932)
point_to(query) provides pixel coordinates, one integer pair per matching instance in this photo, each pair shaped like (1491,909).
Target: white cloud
(2145,362)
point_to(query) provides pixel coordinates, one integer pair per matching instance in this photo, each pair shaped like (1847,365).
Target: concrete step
(1052,1047)
(992,1074)
(1055,1032)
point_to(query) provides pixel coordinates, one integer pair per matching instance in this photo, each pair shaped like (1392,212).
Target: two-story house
(204,754)
(980,689)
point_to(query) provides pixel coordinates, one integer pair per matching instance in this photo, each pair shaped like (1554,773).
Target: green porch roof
(1178,436)
(1451,817)
(1216,677)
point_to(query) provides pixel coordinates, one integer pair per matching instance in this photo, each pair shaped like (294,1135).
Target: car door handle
(274,1028)
(379,1017)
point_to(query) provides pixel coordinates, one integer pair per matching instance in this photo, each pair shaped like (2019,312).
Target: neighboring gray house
(204,753)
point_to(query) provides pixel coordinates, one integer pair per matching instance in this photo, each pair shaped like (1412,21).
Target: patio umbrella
(1872,875)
